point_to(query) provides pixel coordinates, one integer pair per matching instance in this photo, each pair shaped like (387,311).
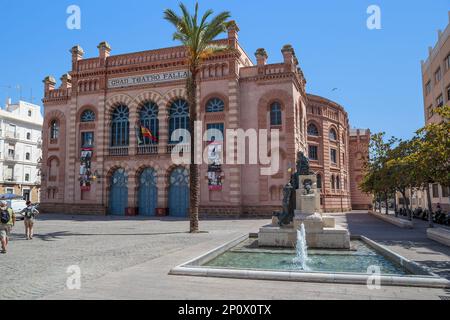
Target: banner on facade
(147,79)
(85,169)
(215,166)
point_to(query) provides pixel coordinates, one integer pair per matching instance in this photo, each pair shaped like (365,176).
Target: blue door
(118,196)
(148,192)
(179,193)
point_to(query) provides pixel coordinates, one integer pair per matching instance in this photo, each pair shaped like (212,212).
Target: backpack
(30,213)
(5,216)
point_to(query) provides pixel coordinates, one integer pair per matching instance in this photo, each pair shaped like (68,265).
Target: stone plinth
(313,222)
(329,238)
(321,232)
(273,236)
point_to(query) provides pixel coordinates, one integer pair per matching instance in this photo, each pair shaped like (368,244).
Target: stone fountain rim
(194,268)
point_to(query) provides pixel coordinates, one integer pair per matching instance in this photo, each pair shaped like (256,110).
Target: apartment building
(20,149)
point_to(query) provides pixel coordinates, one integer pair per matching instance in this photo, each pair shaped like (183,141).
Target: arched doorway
(179,193)
(148,192)
(118,195)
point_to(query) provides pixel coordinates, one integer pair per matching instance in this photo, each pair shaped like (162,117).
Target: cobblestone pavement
(33,269)
(130,258)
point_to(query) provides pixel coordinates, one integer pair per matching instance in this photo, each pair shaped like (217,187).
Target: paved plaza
(129,258)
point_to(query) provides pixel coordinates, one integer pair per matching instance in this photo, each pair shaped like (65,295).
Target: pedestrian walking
(7,221)
(29,213)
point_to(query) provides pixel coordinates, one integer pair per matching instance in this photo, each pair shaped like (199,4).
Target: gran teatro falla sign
(147,79)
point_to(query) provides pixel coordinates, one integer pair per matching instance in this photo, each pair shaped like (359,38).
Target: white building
(20,149)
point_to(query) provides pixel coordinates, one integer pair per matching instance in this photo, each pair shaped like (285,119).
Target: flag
(138,136)
(146,133)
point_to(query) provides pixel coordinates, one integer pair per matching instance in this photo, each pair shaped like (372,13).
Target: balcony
(178,148)
(12,158)
(10,135)
(8,179)
(148,149)
(118,151)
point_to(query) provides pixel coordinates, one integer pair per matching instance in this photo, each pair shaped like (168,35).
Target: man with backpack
(29,213)
(7,221)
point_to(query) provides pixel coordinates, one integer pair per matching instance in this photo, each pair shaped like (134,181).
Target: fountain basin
(241,259)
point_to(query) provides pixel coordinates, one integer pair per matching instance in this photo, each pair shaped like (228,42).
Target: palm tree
(196,36)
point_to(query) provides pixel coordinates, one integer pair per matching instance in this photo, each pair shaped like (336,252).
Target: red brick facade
(247,92)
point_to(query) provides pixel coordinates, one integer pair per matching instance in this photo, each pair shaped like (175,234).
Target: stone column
(72,154)
(163,117)
(233,123)
(134,118)
(163,185)
(101,151)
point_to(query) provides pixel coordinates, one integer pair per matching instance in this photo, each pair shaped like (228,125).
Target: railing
(8,178)
(12,158)
(178,148)
(12,135)
(149,149)
(118,151)
(58,93)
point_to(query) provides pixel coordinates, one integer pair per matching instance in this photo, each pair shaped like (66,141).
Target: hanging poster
(215,166)
(85,169)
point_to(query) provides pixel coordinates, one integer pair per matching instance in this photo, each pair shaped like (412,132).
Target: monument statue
(287,216)
(289,201)
(302,211)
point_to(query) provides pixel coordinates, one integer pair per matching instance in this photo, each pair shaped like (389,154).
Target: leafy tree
(428,158)
(377,173)
(402,174)
(196,35)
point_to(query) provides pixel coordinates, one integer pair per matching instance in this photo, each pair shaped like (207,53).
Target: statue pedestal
(321,232)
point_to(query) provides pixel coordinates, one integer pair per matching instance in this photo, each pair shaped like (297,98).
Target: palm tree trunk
(193,167)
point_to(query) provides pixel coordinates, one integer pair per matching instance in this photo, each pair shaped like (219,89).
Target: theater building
(107,137)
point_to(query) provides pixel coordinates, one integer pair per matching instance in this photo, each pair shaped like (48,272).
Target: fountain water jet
(302,249)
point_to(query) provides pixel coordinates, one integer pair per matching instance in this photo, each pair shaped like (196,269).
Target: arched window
(148,117)
(28,136)
(215,105)
(88,116)
(319,181)
(338,182)
(312,130)
(54,130)
(275,114)
(120,127)
(27,156)
(333,135)
(333,185)
(178,118)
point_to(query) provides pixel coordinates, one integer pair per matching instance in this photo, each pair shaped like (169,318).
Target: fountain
(322,250)
(301,206)
(301,258)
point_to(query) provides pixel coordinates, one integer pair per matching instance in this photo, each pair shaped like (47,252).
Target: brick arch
(318,125)
(149,165)
(170,168)
(148,96)
(174,94)
(213,95)
(84,108)
(55,115)
(115,101)
(333,127)
(266,100)
(51,158)
(113,168)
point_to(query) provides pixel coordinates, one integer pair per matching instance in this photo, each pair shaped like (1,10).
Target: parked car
(17,205)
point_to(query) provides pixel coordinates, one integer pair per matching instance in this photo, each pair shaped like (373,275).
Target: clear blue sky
(377,72)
